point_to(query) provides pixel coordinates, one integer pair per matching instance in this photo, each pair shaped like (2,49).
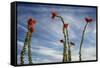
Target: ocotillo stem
(61,19)
(80,55)
(65,48)
(24,49)
(29,49)
(69,50)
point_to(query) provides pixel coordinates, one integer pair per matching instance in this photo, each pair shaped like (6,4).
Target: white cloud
(49,52)
(87,54)
(22,27)
(20,43)
(54,54)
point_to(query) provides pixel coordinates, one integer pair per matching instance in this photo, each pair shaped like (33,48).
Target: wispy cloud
(53,55)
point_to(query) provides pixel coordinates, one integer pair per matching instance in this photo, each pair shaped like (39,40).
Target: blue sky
(45,44)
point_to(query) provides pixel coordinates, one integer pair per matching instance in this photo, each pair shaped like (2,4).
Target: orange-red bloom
(54,14)
(62,41)
(88,19)
(65,26)
(31,22)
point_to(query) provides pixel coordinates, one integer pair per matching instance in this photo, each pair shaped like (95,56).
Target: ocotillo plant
(88,20)
(65,33)
(31,24)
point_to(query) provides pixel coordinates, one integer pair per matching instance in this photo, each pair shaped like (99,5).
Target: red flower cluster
(65,26)
(31,24)
(88,19)
(54,14)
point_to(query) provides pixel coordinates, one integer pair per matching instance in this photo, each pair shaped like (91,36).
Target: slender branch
(80,57)
(61,19)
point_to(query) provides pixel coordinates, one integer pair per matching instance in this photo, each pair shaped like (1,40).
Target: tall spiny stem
(69,50)
(29,49)
(65,56)
(24,49)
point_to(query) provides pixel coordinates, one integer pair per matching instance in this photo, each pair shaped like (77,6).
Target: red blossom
(88,19)
(54,14)
(62,41)
(65,26)
(31,22)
